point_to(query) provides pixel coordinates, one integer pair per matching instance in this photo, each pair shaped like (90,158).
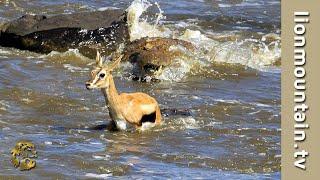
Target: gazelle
(125,109)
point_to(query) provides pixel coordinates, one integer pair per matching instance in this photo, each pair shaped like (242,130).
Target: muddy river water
(231,88)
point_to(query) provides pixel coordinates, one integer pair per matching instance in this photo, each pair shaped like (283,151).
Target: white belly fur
(147,126)
(123,124)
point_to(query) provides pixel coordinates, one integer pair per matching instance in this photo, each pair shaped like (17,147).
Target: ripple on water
(234,130)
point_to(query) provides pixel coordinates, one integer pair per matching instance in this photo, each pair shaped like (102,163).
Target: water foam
(4,105)
(253,53)
(98,176)
(138,26)
(71,54)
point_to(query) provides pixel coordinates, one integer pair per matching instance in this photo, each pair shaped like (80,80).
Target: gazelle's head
(100,75)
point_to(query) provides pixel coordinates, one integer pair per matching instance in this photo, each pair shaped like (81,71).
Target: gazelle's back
(139,97)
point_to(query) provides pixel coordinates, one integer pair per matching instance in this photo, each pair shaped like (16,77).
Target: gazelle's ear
(115,63)
(98,59)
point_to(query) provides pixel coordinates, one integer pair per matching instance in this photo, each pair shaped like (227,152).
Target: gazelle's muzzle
(89,85)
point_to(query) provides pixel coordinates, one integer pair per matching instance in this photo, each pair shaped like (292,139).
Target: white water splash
(139,27)
(98,176)
(252,53)
(71,53)
(177,71)
(4,105)
(187,123)
(75,69)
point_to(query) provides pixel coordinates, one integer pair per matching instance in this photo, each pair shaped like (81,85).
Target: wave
(257,53)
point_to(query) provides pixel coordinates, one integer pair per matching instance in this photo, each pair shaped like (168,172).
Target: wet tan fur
(130,107)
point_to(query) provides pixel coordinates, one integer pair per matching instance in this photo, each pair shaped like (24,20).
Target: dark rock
(88,32)
(151,53)
(86,20)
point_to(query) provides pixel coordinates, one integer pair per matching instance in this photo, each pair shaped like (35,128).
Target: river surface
(231,87)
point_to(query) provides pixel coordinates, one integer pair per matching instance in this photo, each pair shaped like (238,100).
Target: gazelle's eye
(102,75)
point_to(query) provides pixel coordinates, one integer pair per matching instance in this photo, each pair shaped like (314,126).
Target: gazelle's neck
(113,103)
(110,93)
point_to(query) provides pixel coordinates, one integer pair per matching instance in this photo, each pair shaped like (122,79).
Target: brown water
(234,130)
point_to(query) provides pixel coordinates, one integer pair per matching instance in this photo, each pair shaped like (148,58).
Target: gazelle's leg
(158,115)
